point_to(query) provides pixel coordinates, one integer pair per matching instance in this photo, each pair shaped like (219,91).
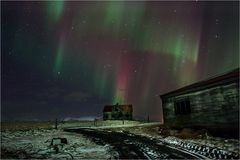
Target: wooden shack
(118,112)
(211,104)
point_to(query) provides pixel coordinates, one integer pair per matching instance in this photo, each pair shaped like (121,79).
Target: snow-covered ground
(211,147)
(35,144)
(207,146)
(22,140)
(116,124)
(100,124)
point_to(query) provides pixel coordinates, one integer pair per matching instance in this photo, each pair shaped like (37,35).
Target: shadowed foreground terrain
(111,140)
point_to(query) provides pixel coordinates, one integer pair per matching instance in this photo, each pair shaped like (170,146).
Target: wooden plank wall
(216,107)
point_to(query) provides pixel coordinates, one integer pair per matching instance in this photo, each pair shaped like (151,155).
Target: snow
(209,147)
(36,144)
(115,124)
(87,118)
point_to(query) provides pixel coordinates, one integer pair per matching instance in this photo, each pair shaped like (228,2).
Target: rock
(58,141)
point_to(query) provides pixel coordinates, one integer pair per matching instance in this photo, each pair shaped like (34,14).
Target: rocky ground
(35,144)
(193,141)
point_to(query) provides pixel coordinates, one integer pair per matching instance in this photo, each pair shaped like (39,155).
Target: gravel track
(130,146)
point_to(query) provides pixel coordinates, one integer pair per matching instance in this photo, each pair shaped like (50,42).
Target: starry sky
(69,59)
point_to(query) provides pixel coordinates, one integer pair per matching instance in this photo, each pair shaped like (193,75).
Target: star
(107,66)
(217,36)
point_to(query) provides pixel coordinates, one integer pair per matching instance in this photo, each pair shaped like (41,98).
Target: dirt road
(129,146)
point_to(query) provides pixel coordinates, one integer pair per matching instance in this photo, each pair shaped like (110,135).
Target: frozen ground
(116,124)
(205,145)
(99,124)
(35,144)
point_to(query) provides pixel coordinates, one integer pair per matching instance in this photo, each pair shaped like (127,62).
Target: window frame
(182,107)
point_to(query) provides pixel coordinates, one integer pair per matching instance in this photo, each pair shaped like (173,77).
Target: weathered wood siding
(216,107)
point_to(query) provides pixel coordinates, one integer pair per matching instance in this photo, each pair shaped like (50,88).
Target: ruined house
(117,112)
(212,104)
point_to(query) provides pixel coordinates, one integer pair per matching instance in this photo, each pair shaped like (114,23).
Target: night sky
(69,59)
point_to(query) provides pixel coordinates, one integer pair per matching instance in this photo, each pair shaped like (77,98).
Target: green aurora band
(85,42)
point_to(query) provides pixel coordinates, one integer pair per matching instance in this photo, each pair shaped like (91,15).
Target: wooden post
(95,122)
(56,124)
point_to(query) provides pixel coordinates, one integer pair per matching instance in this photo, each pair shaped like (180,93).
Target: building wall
(107,115)
(216,107)
(118,113)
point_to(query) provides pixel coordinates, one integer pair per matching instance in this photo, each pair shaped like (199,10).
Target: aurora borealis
(69,59)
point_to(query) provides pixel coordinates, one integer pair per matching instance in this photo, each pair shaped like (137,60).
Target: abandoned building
(117,112)
(212,104)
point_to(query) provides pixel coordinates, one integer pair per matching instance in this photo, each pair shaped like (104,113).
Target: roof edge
(209,81)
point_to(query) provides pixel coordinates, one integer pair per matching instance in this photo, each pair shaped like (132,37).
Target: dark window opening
(182,107)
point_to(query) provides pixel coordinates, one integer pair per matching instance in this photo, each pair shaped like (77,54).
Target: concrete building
(211,104)
(117,112)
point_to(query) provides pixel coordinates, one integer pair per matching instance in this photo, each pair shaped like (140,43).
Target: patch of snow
(125,125)
(210,147)
(36,144)
(89,118)
(214,148)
